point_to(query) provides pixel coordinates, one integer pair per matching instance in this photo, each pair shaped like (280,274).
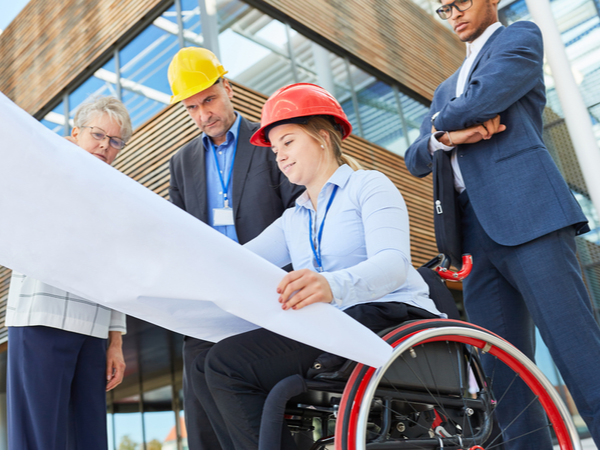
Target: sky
(9,10)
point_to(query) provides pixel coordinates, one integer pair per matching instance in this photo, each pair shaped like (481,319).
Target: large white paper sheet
(76,223)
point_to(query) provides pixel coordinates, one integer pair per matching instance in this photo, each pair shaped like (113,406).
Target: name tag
(222,216)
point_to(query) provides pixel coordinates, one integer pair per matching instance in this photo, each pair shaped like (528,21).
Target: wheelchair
(431,394)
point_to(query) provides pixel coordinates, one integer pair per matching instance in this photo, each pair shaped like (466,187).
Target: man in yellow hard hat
(223,180)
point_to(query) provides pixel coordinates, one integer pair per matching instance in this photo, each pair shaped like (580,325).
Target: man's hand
(472,134)
(303,287)
(115,363)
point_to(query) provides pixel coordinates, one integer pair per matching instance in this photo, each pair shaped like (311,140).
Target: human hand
(303,287)
(115,363)
(474,133)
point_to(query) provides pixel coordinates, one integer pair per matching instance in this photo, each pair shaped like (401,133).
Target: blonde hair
(317,123)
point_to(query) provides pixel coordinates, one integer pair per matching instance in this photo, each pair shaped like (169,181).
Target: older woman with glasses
(65,352)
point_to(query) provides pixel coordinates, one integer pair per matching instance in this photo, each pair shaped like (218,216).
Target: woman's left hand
(303,287)
(115,363)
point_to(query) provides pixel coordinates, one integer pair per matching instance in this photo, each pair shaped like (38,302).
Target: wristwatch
(433,118)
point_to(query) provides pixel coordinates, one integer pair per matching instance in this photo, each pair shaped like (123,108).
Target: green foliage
(128,444)
(154,444)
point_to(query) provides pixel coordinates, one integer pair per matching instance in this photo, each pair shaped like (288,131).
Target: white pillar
(577,117)
(210,26)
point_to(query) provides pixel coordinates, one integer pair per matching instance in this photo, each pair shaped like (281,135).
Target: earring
(322,147)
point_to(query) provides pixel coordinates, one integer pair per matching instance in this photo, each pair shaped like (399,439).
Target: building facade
(382,59)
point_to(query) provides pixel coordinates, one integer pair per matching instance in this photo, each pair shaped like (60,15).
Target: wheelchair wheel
(434,394)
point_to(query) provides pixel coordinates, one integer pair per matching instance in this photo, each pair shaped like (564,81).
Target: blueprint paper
(76,223)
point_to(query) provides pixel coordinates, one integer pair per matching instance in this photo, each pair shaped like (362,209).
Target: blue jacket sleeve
(515,66)
(417,158)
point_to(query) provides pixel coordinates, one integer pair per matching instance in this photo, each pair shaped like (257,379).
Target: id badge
(222,216)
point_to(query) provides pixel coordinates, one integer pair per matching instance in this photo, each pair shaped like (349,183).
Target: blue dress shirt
(214,191)
(365,246)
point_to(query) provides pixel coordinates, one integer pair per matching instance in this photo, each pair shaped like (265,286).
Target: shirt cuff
(118,322)
(336,289)
(434,144)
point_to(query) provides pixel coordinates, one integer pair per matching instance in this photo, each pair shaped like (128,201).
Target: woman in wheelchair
(348,241)
(347,238)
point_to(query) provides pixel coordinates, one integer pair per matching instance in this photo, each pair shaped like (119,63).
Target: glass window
(128,431)
(144,63)
(192,29)
(413,112)
(184,438)
(254,47)
(103,82)
(592,216)
(55,119)
(311,60)
(380,116)
(342,88)
(110,431)
(160,428)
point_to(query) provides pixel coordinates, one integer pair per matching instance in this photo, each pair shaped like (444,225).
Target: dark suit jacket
(260,192)
(514,186)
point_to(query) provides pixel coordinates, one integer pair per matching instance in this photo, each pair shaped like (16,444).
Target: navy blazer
(514,186)
(259,190)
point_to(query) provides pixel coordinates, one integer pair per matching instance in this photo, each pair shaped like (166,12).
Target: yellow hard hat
(193,70)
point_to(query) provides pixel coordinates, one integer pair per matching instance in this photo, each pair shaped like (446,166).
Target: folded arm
(512,72)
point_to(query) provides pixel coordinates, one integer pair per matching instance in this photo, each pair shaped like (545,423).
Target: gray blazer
(260,192)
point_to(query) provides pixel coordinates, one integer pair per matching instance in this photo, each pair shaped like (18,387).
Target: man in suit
(519,218)
(226,182)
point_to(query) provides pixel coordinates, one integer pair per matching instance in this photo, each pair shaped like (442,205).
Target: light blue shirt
(365,247)
(214,190)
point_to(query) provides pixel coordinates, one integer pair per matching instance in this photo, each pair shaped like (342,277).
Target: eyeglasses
(114,142)
(445,11)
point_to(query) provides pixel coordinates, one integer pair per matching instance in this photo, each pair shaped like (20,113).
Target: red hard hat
(299,100)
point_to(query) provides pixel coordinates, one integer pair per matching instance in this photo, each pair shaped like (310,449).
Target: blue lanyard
(225,186)
(317,251)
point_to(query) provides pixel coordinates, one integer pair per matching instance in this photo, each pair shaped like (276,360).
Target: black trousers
(238,373)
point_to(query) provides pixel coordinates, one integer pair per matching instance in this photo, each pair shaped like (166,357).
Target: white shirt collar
(473,48)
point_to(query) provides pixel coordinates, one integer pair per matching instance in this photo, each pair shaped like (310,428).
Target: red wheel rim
(560,429)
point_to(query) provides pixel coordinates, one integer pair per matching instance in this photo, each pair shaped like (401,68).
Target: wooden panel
(146,159)
(51,42)
(395,36)
(4,283)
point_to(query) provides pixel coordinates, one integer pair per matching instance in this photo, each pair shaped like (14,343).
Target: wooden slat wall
(4,283)
(146,159)
(395,36)
(51,42)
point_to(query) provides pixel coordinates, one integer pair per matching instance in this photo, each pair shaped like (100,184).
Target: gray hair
(113,107)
